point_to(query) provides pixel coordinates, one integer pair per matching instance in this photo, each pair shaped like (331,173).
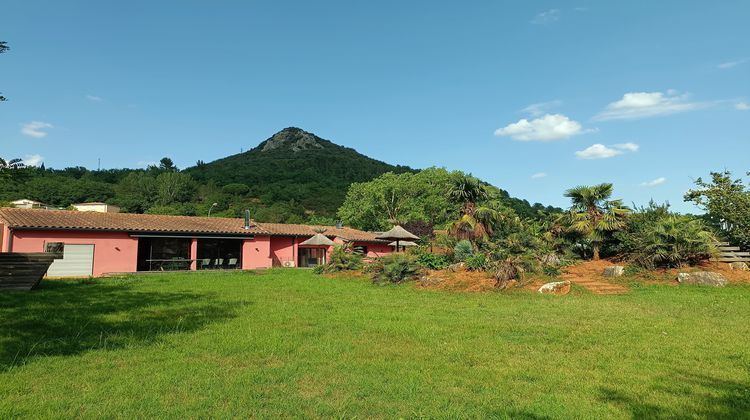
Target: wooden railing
(24,271)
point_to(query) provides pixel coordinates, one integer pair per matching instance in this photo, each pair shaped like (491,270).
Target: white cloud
(35,129)
(742,106)
(549,16)
(541,108)
(600,151)
(546,128)
(648,104)
(730,64)
(94,98)
(33,160)
(628,147)
(654,182)
(539,175)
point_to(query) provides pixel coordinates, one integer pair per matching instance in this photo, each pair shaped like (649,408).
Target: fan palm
(475,222)
(593,214)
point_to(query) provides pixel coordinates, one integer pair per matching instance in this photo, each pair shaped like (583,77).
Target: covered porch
(314,251)
(174,253)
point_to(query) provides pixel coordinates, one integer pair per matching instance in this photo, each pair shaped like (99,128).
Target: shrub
(433,261)
(476,262)
(551,270)
(395,268)
(343,258)
(656,238)
(463,250)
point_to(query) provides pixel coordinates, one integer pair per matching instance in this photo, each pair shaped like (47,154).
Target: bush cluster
(654,238)
(395,268)
(343,258)
(434,261)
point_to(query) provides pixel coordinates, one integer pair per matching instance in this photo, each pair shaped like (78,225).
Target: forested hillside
(294,176)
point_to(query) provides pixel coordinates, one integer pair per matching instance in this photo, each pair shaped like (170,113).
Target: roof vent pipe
(247,219)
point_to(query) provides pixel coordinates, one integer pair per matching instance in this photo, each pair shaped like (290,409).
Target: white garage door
(77,261)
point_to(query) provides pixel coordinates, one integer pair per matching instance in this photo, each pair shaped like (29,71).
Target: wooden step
(734,254)
(731,260)
(728,248)
(722,243)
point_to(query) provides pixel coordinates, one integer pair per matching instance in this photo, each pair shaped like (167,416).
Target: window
(360,249)
(54,247)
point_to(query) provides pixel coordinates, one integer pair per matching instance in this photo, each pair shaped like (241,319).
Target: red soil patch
(590,275)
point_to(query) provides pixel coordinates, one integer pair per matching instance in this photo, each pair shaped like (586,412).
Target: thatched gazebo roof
(397,234)
(317,240)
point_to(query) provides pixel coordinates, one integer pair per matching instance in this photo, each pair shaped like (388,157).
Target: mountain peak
(293,138)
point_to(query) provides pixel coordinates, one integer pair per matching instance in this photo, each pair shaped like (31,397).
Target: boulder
(457,267)
(614,271)
(741,266)
(556,288)
(702,278)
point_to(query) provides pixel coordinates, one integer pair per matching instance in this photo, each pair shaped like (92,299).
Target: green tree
(594,215)
(136,193)
(166,164)
(174,187)
(400,198)
(236,189)
(475,222)
(727,205)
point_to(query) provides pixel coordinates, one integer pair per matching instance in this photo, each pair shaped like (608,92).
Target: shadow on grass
(701,396)
(64,318)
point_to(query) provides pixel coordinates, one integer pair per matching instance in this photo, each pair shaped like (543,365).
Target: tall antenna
(99,164)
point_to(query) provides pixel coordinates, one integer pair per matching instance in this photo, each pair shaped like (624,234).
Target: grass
(288,343)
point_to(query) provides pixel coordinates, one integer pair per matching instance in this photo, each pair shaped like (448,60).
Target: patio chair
(232,263)
(219,262)
(205,263)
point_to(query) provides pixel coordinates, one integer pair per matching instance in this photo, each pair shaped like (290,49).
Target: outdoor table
(170,264)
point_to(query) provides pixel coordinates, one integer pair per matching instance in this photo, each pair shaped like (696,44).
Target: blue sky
(532,96)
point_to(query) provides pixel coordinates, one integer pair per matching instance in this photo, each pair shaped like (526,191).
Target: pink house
(94,244)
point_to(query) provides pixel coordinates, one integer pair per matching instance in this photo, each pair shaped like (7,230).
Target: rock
(741,266)
(556,288)
(702,278)
(457,267)
(614,271)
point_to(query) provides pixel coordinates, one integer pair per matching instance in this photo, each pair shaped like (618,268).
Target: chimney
(247,219)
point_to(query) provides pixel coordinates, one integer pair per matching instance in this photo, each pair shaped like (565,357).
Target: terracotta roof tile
(127,222)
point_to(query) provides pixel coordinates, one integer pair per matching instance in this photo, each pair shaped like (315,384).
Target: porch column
(194,254)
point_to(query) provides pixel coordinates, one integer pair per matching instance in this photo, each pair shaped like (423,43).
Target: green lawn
(292,344)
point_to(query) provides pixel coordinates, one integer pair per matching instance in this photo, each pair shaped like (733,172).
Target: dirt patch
(590,274)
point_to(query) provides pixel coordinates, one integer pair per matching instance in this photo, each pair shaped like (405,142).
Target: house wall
(256,253)
(4,238)
(375,249)
(114,252)
(283,249)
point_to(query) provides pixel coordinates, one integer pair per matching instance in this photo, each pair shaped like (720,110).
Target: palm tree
(475,222)
(593,214)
